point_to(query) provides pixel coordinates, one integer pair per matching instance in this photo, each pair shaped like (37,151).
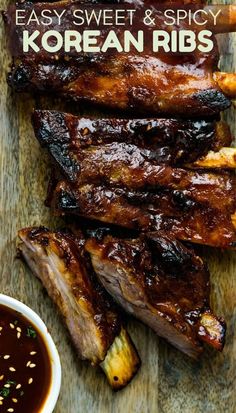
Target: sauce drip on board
(25,368)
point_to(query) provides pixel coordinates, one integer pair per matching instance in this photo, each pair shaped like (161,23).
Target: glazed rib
(162,283)
(171,141)
(144,88)
(174,211)
(149,83)
(128,166)
(93,320)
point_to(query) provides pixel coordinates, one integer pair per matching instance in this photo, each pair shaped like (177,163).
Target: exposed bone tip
(212,330)
(226,82)
(224,158)
(122,361)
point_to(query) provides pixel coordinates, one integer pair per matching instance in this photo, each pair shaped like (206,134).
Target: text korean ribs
(162,283)
(150,84)
(61,263)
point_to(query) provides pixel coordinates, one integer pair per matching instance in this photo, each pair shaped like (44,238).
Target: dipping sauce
(25,368)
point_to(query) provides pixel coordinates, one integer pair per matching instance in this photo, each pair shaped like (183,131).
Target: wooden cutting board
(168,381)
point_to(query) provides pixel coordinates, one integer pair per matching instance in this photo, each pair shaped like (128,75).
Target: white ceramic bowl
(54,389)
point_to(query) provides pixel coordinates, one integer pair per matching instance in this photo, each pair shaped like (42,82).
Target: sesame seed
(7,386)
(14,400)
(18,334)
(29,362)
(1,398)
(12,325)
(1,402)
(32,365)
(10,410)
(18,329)
(6,357)
(30,380)
(0,328)
(2,377)
(12,369)
(32,353)
(18,386)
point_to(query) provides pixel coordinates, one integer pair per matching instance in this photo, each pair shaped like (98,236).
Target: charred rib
(144,88)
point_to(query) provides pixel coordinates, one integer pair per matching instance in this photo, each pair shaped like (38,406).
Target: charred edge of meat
(27,76)
(119,357)
(54,132)
(174,255)
(213,99)
(19,78)
(121,362)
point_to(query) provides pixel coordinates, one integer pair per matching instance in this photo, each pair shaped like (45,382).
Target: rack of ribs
(151,84)
(59,260)
(163,283)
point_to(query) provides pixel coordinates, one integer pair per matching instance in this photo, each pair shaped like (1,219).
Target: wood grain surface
(168,381)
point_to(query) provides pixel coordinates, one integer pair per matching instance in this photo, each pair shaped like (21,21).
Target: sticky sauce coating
(25,369)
